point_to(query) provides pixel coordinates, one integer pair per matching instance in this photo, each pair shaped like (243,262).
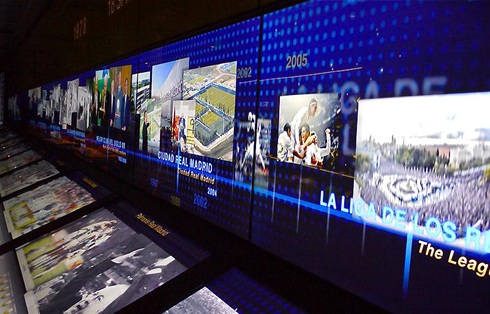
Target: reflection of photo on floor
(18,161)
(24,177)
(203,301)
(46,203)
(213,88)
(13,151)
(96,265)
(308,129)
(83,103)
(428,155)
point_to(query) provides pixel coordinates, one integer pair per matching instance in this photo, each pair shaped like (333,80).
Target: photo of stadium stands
(430,156)
(213,88)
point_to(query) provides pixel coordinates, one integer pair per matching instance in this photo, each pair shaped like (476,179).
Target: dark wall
(49,51)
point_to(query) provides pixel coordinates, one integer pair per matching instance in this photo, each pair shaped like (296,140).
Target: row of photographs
(190,108)
(97,264)
(426,164)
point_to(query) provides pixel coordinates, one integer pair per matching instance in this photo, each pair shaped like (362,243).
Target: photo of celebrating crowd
(95,265)
(308,129)
(435,164)
(213,88)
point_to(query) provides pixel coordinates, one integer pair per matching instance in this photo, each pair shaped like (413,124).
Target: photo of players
(120,100)
(156,114)
(429,155)
(95,265)
(245,144)
(18,161)
(44,204)
(213,88)
(72,102)
(183,125)
(306,129)
(202,302)
(25,177)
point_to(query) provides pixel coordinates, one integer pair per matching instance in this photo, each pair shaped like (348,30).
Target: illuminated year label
(244,72)
(212,192)
(200,201)
(297,61)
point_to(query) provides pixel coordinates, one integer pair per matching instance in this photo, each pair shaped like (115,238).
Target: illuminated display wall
(344,137)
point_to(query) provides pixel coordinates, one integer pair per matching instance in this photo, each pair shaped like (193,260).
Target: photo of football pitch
(213,88)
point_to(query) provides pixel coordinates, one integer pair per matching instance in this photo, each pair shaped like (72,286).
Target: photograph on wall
(56,106)
(34,96)
(250,145)
(309,129)
(213,88)
(44,204)
(435,164)
(25,177)
(18,161)
(72,102)
(45,108)
(156,113)
(84,101)
(142,98)
(13,107)
(183,125)
(101,101)
(202,302)
(140,86)
(120,100)
(63,107)
(96,264)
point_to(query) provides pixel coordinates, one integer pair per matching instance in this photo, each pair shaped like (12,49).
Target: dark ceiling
(17,19)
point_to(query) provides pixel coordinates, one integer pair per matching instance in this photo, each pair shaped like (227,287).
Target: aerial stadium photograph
(429,156)
(213,88)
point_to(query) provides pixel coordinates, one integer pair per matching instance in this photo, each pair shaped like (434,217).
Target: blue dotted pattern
(231,209)
(360,50)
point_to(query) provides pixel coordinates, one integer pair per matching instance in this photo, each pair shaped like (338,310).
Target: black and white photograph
(72,102)
(95,265)
(84,102)
(428,155)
